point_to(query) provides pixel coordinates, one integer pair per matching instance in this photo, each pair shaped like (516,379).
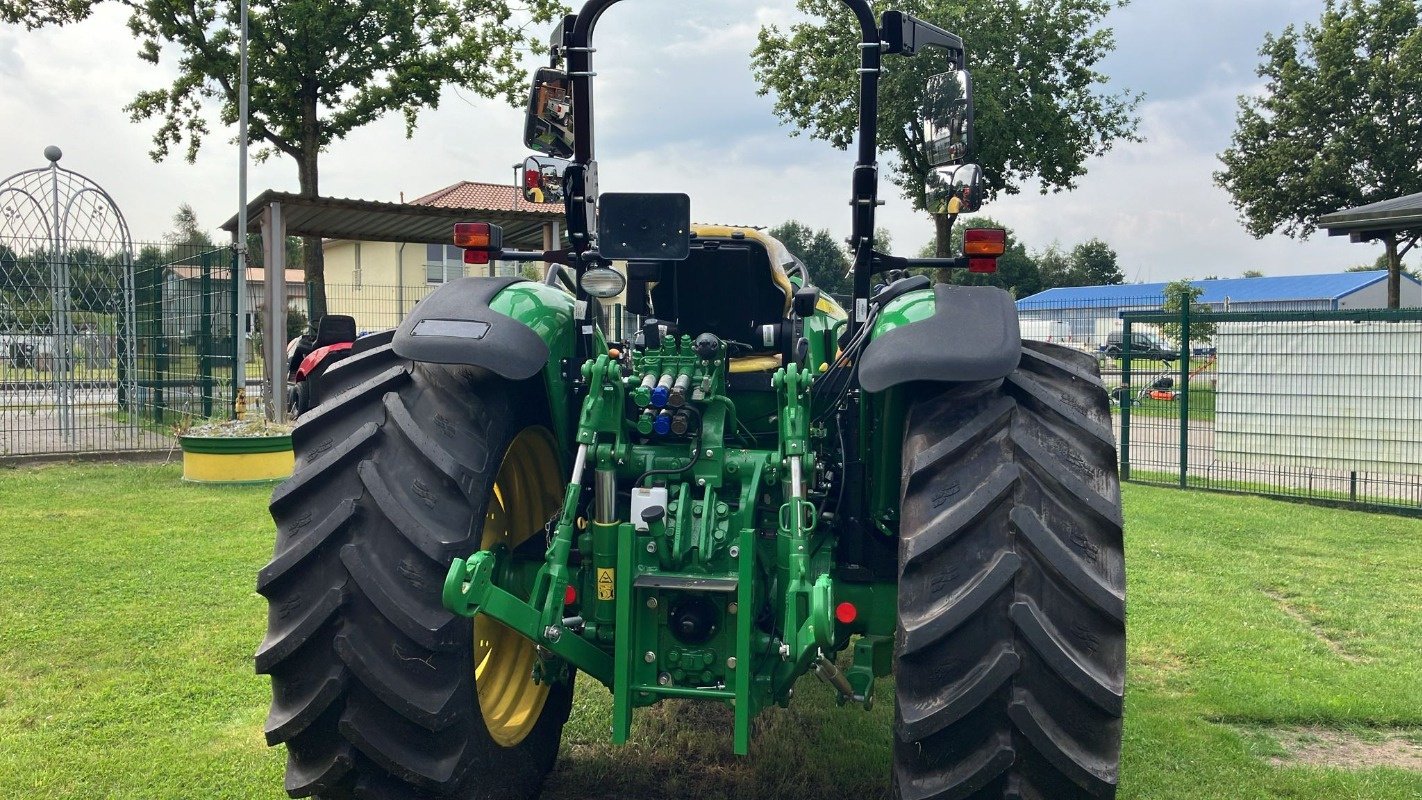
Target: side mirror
(948,118)
(543,179)
(954,190)
(549,129)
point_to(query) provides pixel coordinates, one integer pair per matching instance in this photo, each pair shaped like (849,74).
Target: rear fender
(512,327)
(943,334)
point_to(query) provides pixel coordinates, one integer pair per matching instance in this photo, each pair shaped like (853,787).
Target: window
(443,262)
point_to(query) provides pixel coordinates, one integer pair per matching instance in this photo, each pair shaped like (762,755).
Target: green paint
(673,610)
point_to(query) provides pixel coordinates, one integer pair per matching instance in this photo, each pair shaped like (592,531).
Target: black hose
(695,455)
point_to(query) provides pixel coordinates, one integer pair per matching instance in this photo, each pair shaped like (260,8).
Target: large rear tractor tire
(377,690)
(1010,654)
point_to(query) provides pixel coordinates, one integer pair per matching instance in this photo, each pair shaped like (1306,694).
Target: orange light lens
(984,242)
(471,234)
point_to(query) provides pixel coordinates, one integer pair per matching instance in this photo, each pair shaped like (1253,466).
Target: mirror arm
(904,35)
(549,256)
(884,262)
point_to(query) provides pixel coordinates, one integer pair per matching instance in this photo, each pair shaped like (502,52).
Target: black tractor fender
(455,325)
(968,333)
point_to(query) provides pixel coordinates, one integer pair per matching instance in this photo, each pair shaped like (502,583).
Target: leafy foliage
(823,257)
(318,69)
(1177,295)
(1042,104)
(1093,263)
(1337,124)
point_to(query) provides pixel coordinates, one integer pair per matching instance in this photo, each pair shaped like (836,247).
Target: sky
(677,111)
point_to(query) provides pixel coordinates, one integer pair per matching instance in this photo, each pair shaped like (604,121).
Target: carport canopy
(280,214)
(374,221)
(1397,223)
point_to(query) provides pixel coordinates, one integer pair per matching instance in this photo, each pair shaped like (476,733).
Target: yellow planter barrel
(248,459)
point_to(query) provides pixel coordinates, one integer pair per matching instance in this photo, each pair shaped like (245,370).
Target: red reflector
(846,613)
(476,256)
(984,242)
(979,265)
(570,596)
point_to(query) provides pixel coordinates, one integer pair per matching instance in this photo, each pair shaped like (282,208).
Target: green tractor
(754,484)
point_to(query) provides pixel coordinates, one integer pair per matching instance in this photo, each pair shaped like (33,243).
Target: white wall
(1331,395)
(1375,295)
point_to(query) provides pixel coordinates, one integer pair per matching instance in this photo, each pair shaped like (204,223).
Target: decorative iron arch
(52,213)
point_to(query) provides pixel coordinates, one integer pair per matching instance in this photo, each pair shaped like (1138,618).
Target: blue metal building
(1082,306)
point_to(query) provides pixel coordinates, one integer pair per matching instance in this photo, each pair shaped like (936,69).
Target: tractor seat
(334,329)
(729,285)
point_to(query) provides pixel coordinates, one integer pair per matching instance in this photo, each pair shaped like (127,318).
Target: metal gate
(68,370)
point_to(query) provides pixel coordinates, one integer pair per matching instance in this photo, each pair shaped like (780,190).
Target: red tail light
(478,234)
(846,613)
(476,256)
(984,242)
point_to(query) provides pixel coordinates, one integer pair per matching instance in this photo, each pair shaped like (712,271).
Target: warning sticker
(604,584)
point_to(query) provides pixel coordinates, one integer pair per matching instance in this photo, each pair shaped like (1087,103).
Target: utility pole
(239,303)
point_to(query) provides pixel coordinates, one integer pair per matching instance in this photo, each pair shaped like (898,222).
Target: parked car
(1144,346)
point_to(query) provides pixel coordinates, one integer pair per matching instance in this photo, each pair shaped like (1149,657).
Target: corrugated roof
(374,221)
(1399,213)
(485,196)
(1281,288)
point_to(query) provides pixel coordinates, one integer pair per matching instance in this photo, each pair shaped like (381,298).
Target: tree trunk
(313,259)
(943,244)
(1394,272)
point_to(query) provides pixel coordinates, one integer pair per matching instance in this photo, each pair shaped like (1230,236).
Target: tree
(318,69)
(1054,267)
(1252,273)
(1090,263)
(186,230)
(1041,102)
(1017,270)
(1336,125)
(1381,263)
(1093,263)
(1177,294)
(825,260)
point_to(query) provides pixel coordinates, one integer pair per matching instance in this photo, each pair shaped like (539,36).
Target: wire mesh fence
(1291,399)
(105,349)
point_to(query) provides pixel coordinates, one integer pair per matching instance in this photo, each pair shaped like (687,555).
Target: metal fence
(1295,401)
(106,350)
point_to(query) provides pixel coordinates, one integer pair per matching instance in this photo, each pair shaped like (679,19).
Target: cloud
(677,111)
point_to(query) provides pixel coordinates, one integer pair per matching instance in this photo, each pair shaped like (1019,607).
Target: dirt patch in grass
(1339,749)
(1301,615)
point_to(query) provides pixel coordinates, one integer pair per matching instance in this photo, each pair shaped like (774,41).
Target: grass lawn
(128,620)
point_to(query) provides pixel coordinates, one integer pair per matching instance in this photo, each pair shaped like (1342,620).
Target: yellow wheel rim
(526,493)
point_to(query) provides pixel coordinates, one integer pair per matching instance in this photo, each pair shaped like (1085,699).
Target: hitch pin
(826,671)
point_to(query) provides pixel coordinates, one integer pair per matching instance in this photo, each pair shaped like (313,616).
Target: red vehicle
(309,356)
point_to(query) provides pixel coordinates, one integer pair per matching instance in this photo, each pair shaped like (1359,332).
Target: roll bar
(903,34)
